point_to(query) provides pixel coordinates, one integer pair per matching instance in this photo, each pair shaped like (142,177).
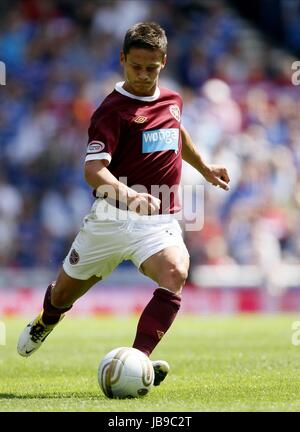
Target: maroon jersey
(140,138)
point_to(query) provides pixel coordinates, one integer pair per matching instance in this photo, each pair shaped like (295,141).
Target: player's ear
(164,61)
(122,57)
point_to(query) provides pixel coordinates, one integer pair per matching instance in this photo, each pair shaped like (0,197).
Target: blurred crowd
(62,59)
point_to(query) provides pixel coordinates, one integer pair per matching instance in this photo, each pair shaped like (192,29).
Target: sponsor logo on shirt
(160,139)
(140,119)
(95,147)
(175,111)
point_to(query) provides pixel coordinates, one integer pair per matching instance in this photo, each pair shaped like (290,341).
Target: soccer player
(134,154)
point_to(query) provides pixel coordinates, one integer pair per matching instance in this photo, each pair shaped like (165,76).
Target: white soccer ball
(124,373)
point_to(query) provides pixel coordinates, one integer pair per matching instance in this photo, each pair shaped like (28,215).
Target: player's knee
(175,279)
(180,277)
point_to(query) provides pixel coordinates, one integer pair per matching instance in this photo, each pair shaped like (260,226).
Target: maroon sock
(155,320)
(51,314)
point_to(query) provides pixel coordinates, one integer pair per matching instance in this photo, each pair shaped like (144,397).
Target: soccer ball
(125,373)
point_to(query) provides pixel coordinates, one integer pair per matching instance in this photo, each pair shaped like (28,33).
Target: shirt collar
(119,88)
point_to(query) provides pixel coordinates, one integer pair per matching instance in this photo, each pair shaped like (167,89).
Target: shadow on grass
(52,396)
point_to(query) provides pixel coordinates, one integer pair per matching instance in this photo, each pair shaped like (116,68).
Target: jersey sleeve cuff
(99,156)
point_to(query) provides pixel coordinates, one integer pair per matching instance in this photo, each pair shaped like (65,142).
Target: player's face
(141,70)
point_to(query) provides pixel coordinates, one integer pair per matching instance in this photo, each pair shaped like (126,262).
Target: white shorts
(109,236)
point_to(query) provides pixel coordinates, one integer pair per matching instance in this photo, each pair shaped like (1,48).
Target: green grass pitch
(241,363)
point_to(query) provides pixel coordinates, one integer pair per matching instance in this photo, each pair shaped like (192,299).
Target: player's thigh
(67,290)
(168,267)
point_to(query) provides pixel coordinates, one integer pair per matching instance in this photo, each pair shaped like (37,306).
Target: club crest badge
(175,111)
(74,257)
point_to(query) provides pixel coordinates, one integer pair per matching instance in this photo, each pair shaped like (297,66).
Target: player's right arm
(108,186)
(104,137)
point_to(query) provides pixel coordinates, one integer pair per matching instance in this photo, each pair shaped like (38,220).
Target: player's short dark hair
(147,35)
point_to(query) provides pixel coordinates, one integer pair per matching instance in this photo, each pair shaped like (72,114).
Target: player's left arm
(215,174)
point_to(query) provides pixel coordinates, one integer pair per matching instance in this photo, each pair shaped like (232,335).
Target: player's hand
(218,176)
(145,204)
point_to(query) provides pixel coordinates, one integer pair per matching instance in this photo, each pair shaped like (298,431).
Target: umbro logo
(159,334)
(140,119)
(74,257)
